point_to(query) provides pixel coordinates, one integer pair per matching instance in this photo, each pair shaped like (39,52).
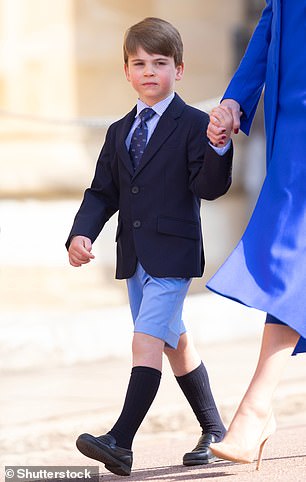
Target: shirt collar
(159,108)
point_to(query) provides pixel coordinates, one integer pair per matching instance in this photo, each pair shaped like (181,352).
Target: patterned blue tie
(139,137)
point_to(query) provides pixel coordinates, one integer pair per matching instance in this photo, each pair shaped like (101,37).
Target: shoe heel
(270,429)
(260,453)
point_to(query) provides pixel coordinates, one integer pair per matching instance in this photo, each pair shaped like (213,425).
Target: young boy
(154,167)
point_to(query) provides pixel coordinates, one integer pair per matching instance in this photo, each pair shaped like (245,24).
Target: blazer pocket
(178,227)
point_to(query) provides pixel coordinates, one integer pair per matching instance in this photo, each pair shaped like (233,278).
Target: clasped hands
(224,119)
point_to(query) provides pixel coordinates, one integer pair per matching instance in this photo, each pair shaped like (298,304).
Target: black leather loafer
(201,454)
(105,449)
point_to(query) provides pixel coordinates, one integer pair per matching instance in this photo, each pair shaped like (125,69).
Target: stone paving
(44,409)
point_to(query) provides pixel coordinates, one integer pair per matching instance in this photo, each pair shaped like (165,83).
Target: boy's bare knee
(147,351)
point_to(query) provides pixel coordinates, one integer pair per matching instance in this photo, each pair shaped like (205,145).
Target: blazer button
(135,190)
(137,224)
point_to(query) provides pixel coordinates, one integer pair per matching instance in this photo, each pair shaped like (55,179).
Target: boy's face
(153,76)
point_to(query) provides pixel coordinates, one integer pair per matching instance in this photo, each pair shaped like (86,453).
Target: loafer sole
(102,454)
(200,461)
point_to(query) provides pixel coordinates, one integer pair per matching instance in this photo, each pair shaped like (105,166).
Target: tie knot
(146,114)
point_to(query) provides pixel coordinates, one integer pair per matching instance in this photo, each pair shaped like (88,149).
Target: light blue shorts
(157,305)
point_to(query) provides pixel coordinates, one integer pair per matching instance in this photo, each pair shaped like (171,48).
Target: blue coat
(258,68)
(267,269)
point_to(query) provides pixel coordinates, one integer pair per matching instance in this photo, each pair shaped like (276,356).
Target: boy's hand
(80,251)
(220,126)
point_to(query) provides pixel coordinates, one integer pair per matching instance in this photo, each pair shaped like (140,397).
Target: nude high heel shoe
(239,454)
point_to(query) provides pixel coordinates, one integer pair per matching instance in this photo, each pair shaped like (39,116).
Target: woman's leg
(277,345)
(253,418)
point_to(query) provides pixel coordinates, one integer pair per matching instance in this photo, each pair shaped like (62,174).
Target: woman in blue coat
(267,269)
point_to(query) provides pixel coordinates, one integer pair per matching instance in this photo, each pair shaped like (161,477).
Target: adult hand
(220,126)
(234,108)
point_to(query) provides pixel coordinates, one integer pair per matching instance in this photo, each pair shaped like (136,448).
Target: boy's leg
(153,301)
(114,448)
(193,379)
(184,359)
(142,388)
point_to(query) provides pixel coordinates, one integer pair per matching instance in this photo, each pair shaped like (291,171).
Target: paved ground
(43,410)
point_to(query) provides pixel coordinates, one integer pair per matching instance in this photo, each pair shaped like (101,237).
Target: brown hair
(155,36)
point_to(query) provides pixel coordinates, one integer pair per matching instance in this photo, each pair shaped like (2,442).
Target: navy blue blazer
(159,204)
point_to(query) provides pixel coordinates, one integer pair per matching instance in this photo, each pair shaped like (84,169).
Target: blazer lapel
(123,131)
(163,130)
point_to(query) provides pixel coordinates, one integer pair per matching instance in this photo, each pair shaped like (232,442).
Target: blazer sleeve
(101,199)
(210,175)
(248,81)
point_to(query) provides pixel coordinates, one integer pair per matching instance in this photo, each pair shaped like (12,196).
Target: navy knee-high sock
(196,388)
(143,385)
